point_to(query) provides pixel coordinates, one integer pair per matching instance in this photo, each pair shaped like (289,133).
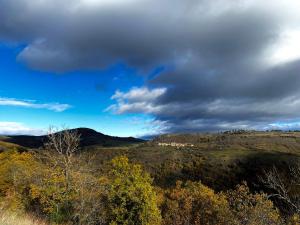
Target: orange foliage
(195,204)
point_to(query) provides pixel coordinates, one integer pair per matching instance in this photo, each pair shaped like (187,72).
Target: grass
(7,218)
(9,146)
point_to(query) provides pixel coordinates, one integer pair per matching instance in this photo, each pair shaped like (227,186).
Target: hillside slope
(88,137)
(220,161)
(287,142)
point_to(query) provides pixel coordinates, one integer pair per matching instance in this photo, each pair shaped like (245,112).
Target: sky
(146,67)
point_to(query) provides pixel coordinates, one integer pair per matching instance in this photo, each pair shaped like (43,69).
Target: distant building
(175,144)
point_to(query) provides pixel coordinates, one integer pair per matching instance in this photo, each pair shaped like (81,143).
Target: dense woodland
(242,178)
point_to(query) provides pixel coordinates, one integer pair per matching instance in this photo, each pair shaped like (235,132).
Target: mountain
(88,137)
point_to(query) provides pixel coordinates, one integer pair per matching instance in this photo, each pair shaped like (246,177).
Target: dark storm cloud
(76,34)
(220,70)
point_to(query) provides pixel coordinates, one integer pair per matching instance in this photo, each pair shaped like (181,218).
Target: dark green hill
(88,137)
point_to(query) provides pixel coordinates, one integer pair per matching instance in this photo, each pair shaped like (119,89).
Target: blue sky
(87,92)
(135,67)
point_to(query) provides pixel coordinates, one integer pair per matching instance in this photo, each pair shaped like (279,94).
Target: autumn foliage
(194,203)
(124,195)
(131,197)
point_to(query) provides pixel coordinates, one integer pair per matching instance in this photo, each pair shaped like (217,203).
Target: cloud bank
(15,128)
(228,64)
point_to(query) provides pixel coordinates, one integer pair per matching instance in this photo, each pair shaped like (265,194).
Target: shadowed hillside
(219,160)
(88,137)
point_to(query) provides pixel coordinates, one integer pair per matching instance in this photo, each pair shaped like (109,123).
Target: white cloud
(15,128)
(56,107)
(287,48)
(137,100)
(139,94)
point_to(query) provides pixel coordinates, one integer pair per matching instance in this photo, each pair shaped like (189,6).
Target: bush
(132,200)
(195,204)
(50,196)
(294,220)
(252,209)
(16,175)
(79,198)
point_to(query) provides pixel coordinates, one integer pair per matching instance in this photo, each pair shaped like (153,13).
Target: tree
(132,200)
(284,188)
(252,209)
(66,143)
(54,191)
(193,203)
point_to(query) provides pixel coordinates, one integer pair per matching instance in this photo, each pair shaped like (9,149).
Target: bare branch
(66,143)
(282,187)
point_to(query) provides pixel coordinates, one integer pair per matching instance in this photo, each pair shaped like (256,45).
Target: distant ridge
(88,137)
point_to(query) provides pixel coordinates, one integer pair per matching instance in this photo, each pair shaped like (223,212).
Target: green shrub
(132,200)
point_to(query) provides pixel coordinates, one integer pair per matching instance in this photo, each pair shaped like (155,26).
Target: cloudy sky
(142,67)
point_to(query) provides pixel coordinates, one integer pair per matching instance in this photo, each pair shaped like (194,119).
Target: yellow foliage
(252,209)
(132,199)
(16,173)
(125,197)
(50,193)
(194,203)
(294,220)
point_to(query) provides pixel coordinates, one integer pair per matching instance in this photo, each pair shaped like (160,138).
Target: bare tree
(66,143)
(284,187)
(88,193)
